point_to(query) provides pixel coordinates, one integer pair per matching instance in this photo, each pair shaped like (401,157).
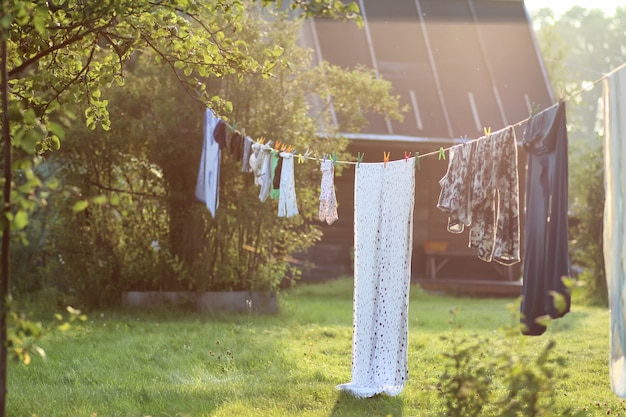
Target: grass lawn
(173,363)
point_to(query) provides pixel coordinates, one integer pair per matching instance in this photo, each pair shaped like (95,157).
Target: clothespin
(487,130)
(324,158)
(289,149)
(386,158)
(333,158)
(261,140)
(417,161)
(359,158)
(442,154)
(407,155)
(277,146)
(464,139)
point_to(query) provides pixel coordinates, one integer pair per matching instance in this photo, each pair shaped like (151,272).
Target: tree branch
(56,47)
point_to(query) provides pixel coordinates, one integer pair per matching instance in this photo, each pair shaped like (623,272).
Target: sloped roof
(460,65)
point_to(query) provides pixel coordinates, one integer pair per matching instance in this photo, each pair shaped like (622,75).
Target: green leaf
(57,129)
(80,206)
(114,200)
(20,220)
(101,199)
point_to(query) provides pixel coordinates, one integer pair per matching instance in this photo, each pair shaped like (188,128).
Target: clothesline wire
(520,123)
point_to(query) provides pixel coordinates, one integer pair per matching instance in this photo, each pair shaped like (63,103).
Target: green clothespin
(442,154)
(359,158)
(417,161)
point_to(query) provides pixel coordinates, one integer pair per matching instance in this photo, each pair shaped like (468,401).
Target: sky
(560,6)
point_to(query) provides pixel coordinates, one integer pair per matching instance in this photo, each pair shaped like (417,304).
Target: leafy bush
(485,377)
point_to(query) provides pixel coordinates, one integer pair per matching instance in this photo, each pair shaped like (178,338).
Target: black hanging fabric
(546,257)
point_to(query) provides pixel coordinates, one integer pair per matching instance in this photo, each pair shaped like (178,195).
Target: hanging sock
(287,204)
(328,198)
(383,239)
(614,222)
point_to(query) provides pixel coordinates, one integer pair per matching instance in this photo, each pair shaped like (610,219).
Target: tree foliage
(132,179)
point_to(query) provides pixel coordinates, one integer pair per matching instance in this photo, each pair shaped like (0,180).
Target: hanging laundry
(481,189)
(383,239)
(287,204)
(220,134)
(207,183)
(265,175)
(495,230)
(328,198)
(247,149)
(277,167)
(614,222)
(256,161)
(455,197)
(546,257)
(236,145)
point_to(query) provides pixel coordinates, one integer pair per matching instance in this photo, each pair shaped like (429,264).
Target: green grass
(173,363)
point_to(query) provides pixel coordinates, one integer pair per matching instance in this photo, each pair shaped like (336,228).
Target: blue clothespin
(442,154)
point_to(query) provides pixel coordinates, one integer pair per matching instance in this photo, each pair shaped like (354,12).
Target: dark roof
(460,65)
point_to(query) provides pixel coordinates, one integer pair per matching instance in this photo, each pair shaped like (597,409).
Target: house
(461,66)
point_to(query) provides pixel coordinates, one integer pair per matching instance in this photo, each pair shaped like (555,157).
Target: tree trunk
(6,233)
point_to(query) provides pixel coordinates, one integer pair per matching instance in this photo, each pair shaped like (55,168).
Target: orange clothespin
(277,146)
(261,140)
(407,155)
(283,147)
(487,130)
(386,158)
(289,149)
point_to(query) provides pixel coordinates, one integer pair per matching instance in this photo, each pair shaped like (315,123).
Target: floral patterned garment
(328,198)
(383,239)
(495,230)
(454,199)
(481,190)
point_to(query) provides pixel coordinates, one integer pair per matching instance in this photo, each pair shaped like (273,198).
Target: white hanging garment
(614,222)
(383,240)
(287,204)
(265,174)
(328,198)
(207,183)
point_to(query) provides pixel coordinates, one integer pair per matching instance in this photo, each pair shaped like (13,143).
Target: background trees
(129,162)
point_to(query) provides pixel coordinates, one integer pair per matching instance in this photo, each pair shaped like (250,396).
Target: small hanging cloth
(328,198)
(207,183)
(287,204)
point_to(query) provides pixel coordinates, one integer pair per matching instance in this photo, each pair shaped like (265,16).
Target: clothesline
(442,150)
